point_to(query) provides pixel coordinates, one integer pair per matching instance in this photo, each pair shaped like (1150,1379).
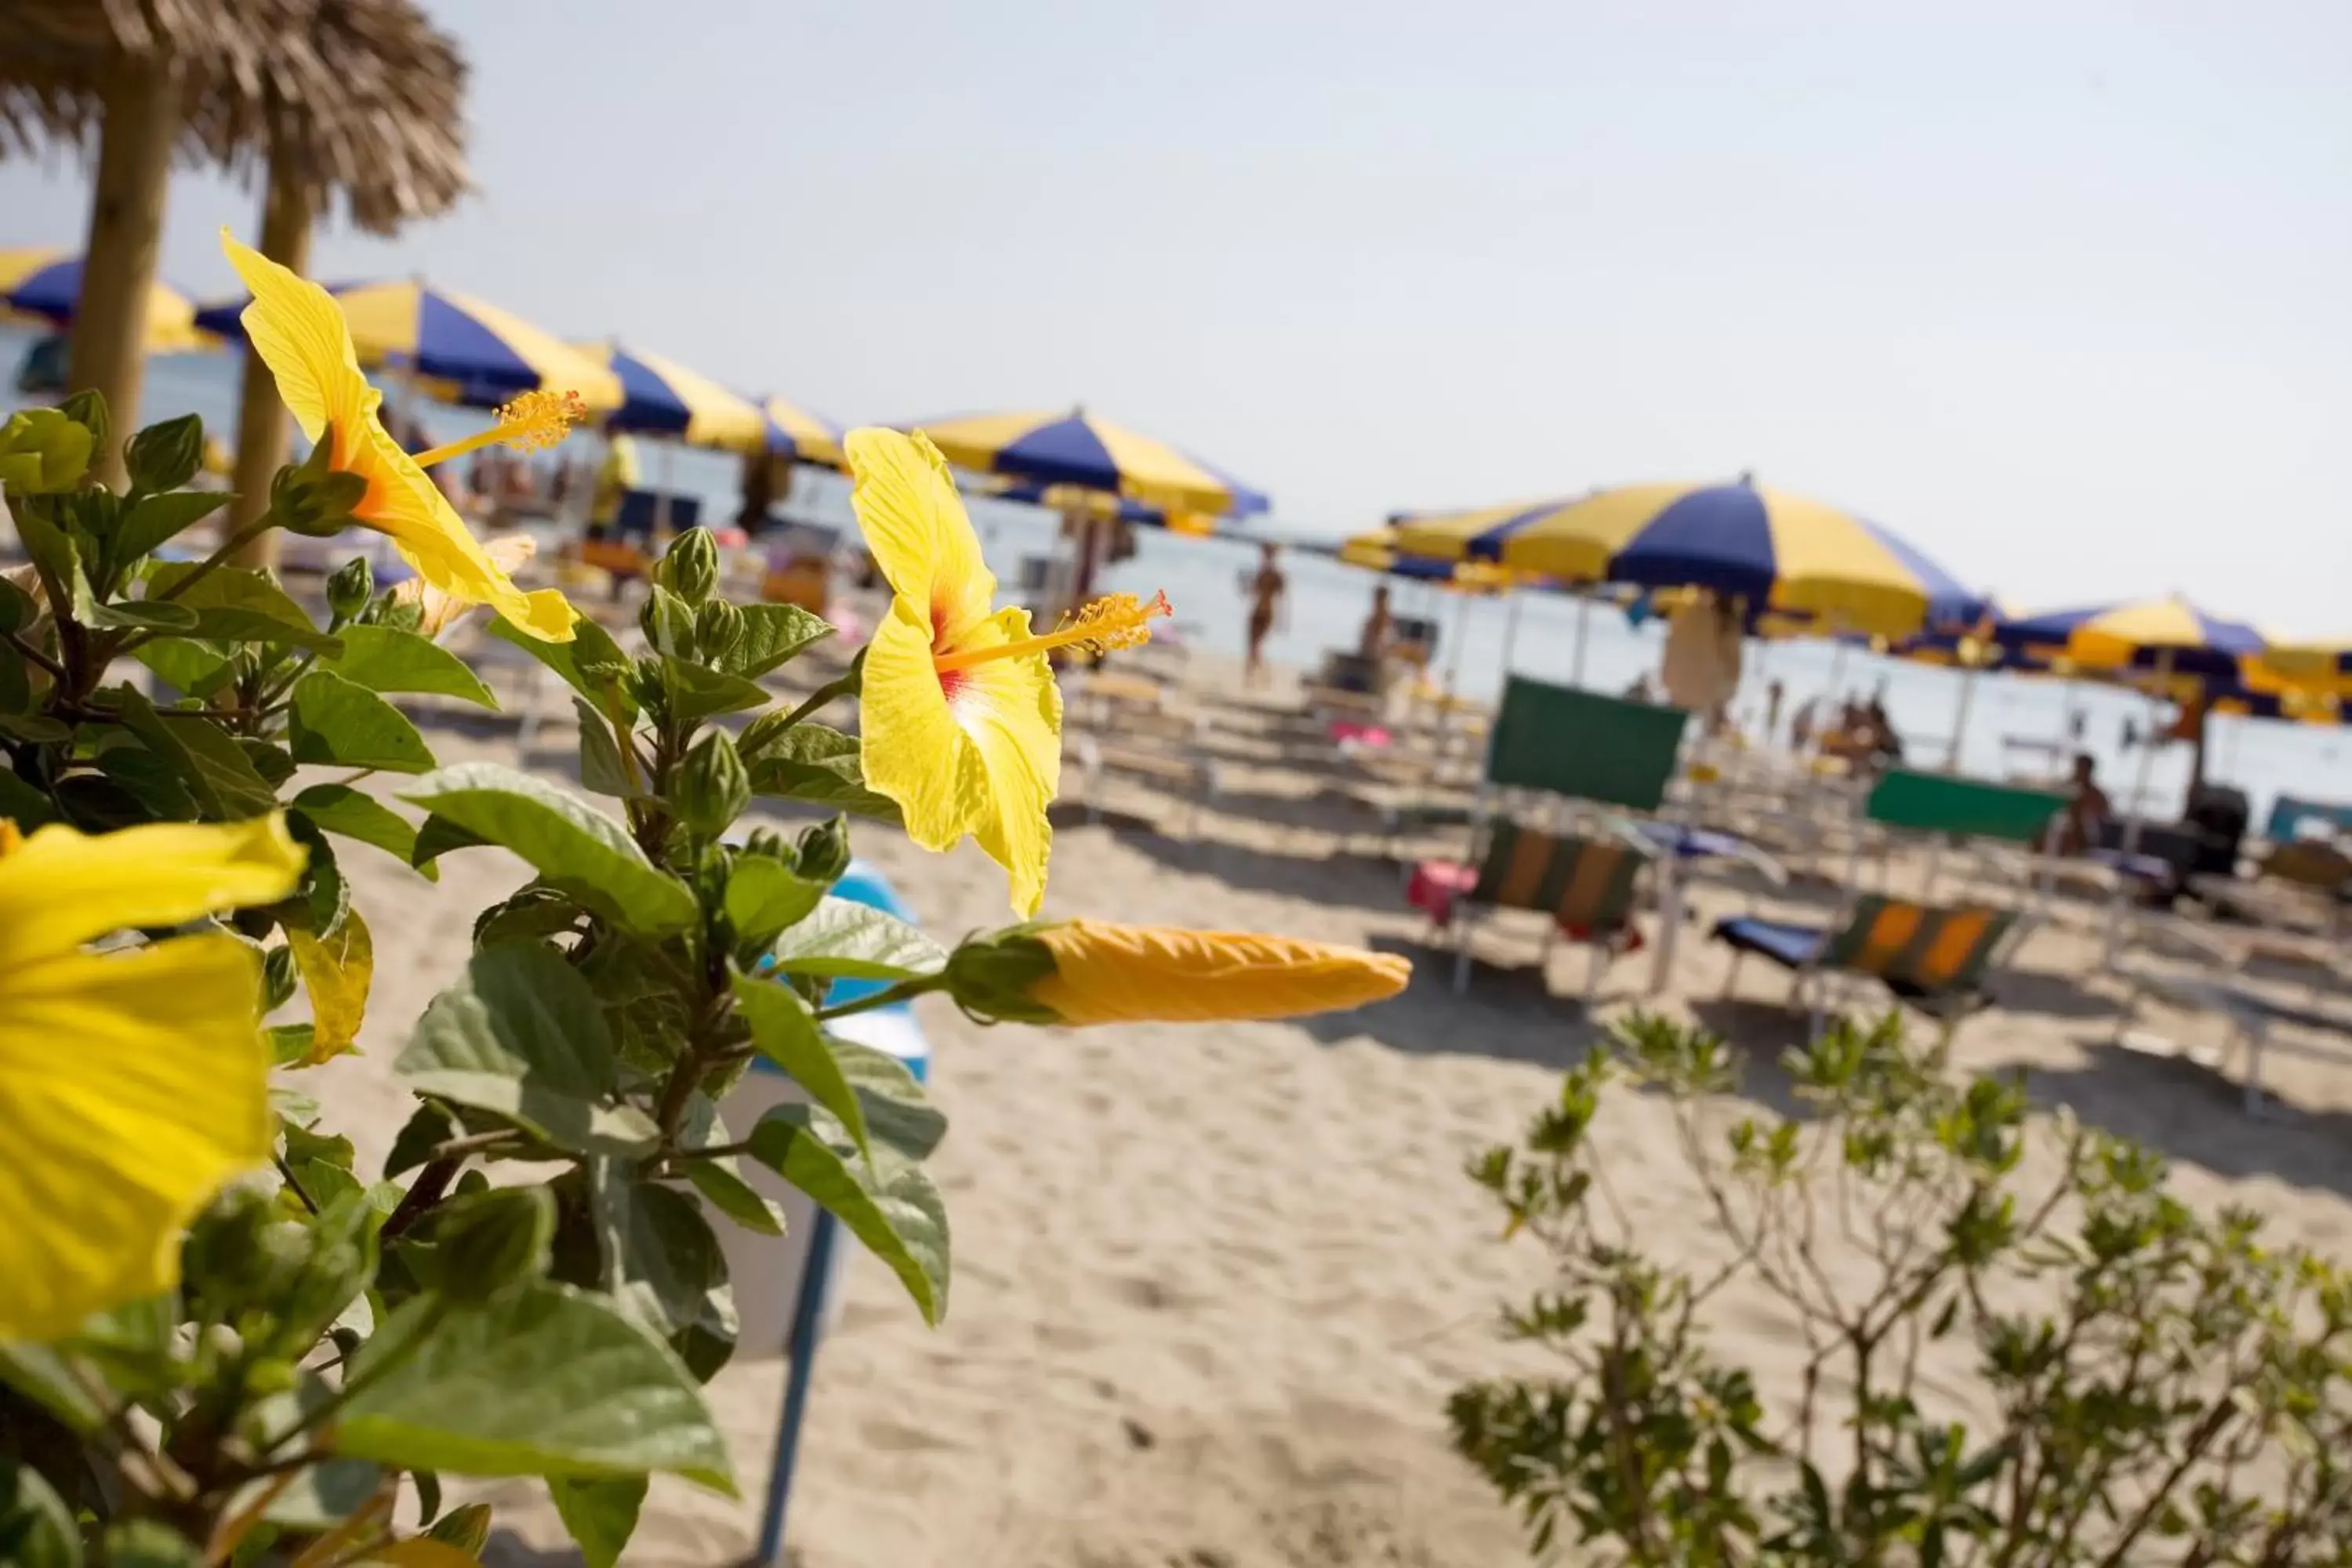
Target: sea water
(2016,725)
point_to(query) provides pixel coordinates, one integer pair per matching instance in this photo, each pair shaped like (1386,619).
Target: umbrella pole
(262,423)
(1960,718)
(2131,846)
(1583,627)
(1510,628)
(126,227)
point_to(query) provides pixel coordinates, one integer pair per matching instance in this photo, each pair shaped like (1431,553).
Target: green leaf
(523,1034)
(231,767)
(427,1127)
(340,723)
(355,813)
(661,1260)
(22,804)
(184,666)
(698,693)
(772,633)
(541,1380)
(601,768)
(37,1529)
(290,1043)
(437,836)
(140,615)
(37,729)
(786,1033)
(382,659)
(227,588)
(228,624)
(591,645)
(576,848)
(159,519)
(467,1528)
(812,762)
(202,755)
(890,1206)
(850,941)
(318,1498)
(899,1114)
(148,1543)
(41,1375)
(482,1242)
(764,896)
(599,1516)
(725,1189)
(152,779)
(50,547)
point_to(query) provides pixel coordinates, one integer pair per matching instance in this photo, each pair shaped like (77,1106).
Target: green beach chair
(1935,956)
(1583,886)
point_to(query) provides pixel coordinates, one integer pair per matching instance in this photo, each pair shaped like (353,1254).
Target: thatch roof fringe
(368,94)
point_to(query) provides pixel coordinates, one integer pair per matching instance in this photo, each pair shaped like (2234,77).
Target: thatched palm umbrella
(313,97)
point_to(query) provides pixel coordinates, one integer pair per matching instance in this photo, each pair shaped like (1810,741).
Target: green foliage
(338,1330)
(2166,1385)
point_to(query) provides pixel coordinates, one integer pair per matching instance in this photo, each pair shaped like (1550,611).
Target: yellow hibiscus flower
(437,610)
(1107,973)
(132,1084)
(300,333)
(961,724)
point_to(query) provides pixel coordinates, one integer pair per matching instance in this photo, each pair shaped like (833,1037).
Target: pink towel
(1346,730)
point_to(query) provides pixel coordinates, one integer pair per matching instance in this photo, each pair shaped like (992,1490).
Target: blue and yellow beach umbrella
(473,351)
(2323,668)
(2168,635)
(662,397)
(1740,541)
(1084,449)
(1377,551)
(804,436)
(45,284)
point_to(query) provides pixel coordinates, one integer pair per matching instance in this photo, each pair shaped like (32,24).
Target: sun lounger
(2249,1015)
(1934,957)
(1585,885)
(1193,779)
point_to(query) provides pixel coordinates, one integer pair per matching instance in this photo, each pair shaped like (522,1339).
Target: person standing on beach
(1265,591)
(1372,642)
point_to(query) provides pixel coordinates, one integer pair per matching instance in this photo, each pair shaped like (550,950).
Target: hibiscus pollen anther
(1113,621)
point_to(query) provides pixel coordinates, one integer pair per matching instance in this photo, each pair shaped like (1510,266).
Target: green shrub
(2168,1385)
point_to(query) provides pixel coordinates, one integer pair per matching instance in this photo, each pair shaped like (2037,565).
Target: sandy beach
(1213,1286)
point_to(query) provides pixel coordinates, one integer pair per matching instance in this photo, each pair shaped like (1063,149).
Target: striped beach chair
(1933,956)
(1584,885)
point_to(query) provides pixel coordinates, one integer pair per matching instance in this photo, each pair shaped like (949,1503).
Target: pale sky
(2062,292)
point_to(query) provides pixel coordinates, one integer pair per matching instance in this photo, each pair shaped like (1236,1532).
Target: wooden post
(261,418)
(126,225)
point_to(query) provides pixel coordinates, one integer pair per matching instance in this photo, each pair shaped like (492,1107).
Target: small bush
(2168,1387)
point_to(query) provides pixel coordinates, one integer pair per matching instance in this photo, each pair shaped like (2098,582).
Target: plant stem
(830,691)
(219,558)
(425,1192)
(906,990)
(288,1171)
(57,671)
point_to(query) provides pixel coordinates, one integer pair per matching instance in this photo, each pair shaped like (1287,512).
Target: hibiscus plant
(223,1338)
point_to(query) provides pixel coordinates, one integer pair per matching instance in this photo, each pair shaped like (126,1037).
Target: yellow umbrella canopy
(1743,543)
(1377,550)
(44,284)
(1084,449)
(662,397)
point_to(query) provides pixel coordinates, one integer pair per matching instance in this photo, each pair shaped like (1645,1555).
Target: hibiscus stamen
(1113,621)
(531,423)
